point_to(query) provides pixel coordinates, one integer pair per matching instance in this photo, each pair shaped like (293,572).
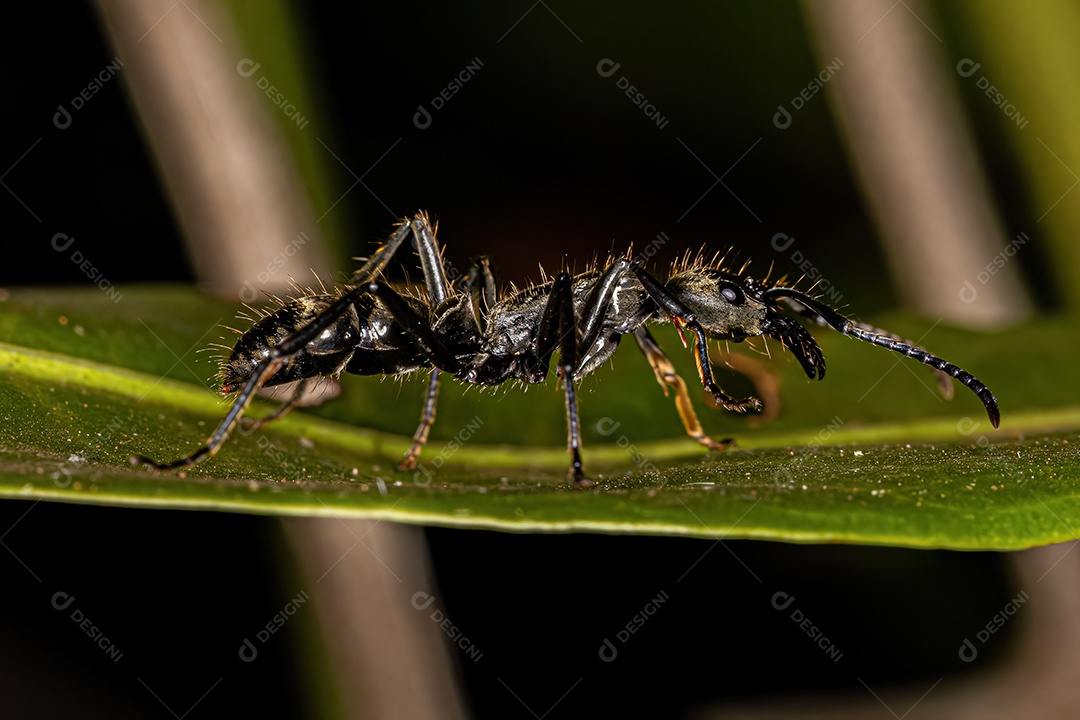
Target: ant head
(324,354)
(727,306)
(735,307)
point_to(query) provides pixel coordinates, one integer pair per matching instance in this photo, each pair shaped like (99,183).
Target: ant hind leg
(281,354)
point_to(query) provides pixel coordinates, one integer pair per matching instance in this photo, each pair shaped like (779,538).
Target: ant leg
(427,419)
(766,384)
(568,350)
(431,261)
(680,316)
(558,328)
(599,302)
(382,256)
(281,411)
(489,294)
(263,372)
(282,353)
(560,303)
(416,327)
(434,270)
(668,377)
(480,284)
(593,314)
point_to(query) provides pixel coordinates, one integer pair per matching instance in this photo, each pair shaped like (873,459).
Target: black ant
(467,330)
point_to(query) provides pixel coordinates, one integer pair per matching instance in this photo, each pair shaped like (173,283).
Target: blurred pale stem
(391,655)
(234,188)
(900,120)
(240,200)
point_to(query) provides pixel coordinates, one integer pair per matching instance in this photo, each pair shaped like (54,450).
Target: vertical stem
(906,138)
(239,197)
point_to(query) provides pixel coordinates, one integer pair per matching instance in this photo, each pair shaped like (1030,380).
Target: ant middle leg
(427,419)
(479,284)
(434,270)
(558,328)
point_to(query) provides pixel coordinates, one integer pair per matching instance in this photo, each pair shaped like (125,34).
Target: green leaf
(91,380)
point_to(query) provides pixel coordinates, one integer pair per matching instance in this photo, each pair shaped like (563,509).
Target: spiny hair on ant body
(471,331)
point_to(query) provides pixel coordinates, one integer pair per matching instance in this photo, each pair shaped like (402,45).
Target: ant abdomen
(326,354)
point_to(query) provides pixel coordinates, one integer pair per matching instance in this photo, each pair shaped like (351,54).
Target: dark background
(536,159)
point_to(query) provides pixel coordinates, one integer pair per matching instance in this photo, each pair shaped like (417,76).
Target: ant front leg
(682,316)
(667,376)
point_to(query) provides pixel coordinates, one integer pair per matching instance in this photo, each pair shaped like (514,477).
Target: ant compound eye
(732,293)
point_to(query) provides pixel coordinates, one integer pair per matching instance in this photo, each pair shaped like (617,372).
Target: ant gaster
(468,331)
